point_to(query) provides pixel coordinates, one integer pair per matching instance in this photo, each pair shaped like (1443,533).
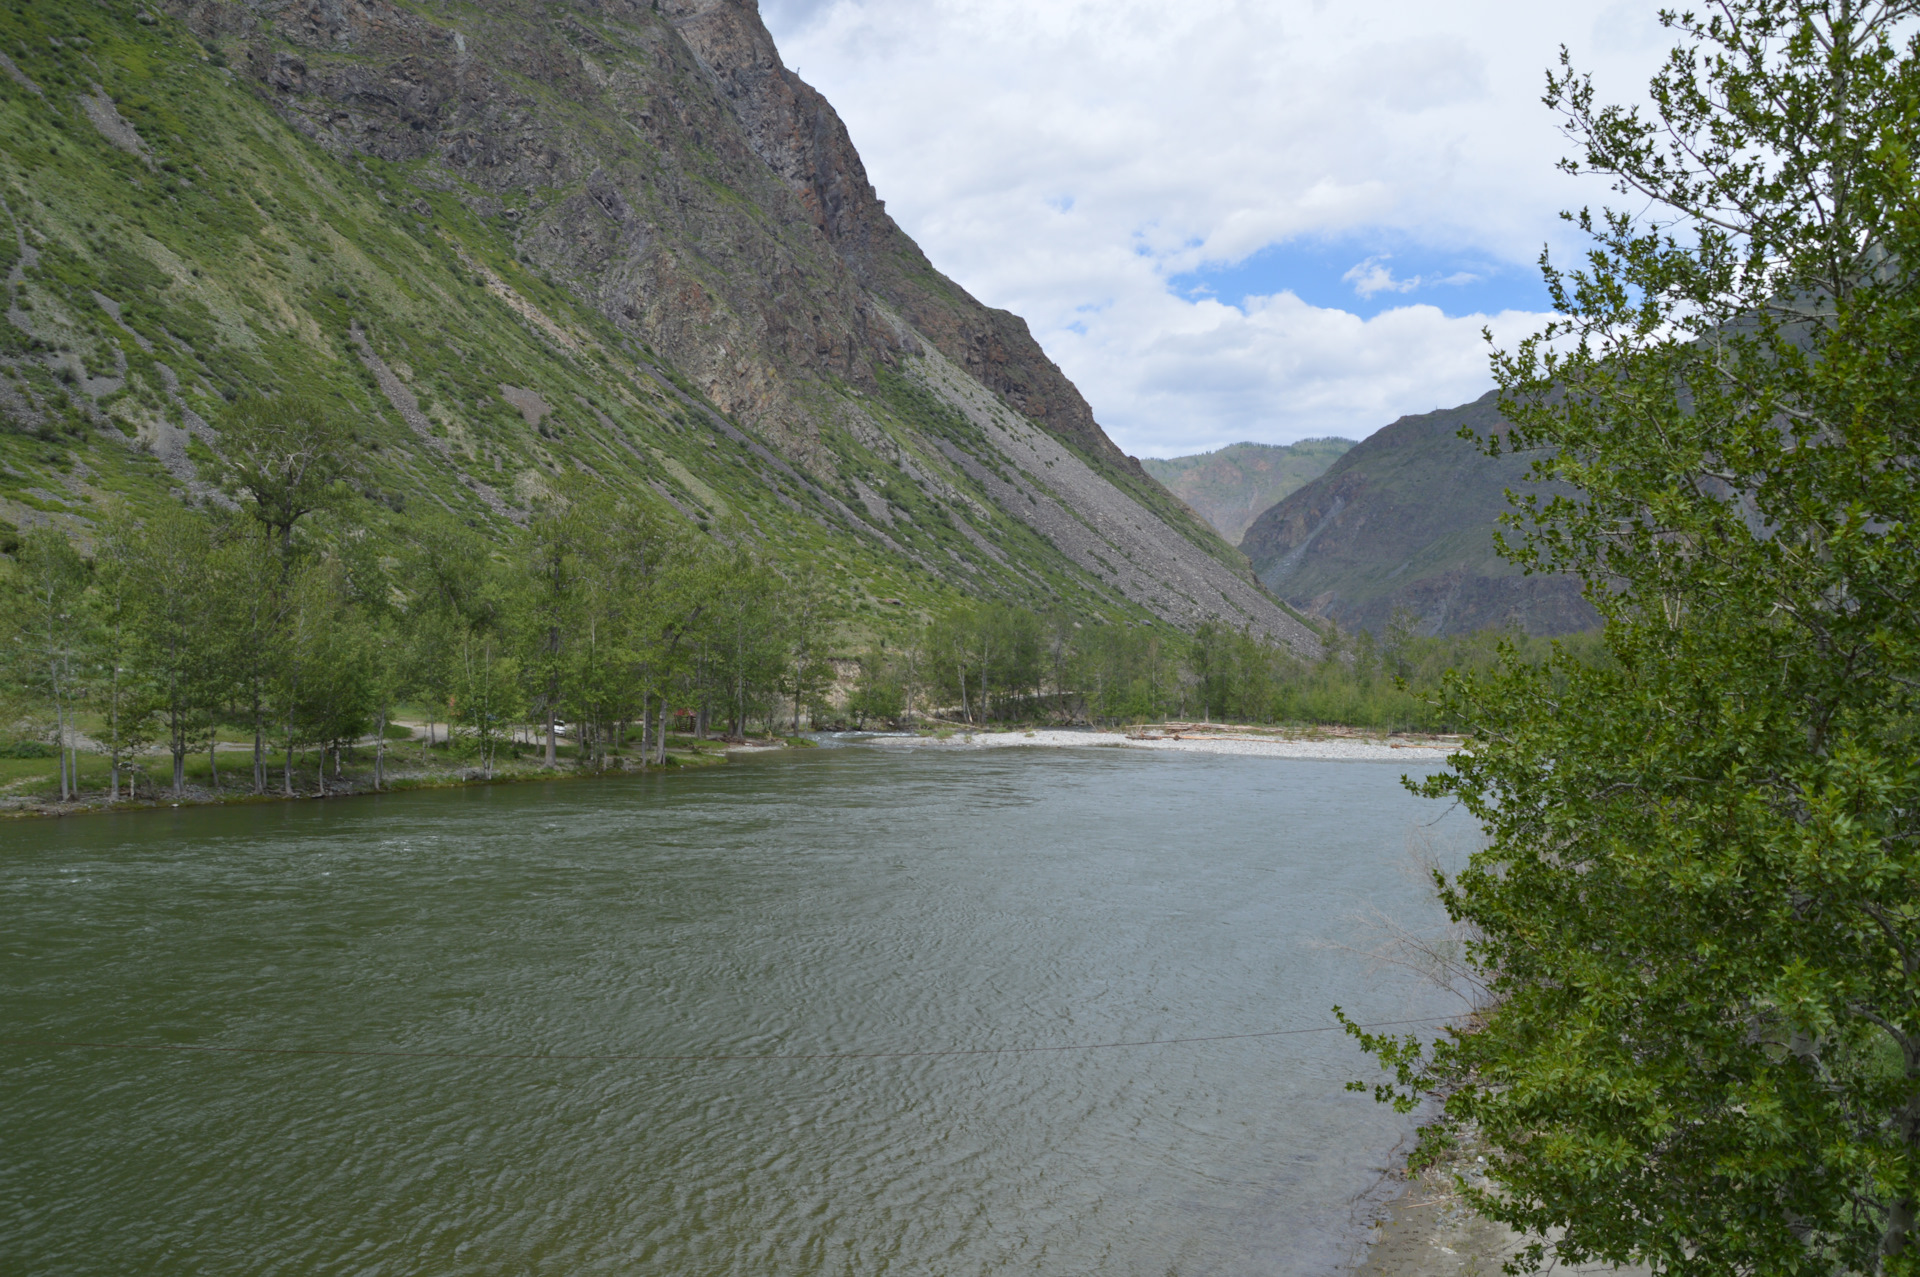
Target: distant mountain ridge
(1232,486)
(1404,523)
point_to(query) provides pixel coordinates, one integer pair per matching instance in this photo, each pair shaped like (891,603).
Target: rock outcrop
(627,211)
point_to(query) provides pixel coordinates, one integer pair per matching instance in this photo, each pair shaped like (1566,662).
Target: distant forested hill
(1404,522)
(1231,487)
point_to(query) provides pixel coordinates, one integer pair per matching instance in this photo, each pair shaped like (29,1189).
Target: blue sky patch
(1366,278)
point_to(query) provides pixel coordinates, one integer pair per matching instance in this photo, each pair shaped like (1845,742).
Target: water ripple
(850,901)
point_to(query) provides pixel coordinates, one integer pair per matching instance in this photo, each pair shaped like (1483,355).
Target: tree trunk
(60,729)
(259,747)
(113,737)
(553,756)
(1897,1235)
(986,699)
(213,765)
(660,747)
(380,752)
(1900,1222)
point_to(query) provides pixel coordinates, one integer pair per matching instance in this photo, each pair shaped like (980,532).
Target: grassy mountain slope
(1404,522)
(1232,486)
(511,241)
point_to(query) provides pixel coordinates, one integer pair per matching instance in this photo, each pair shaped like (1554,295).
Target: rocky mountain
(1404,522)
(1234,485)
(519,239)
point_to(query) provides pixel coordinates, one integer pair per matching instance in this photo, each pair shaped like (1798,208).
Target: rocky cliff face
(630,214)
(632,131)
(796,132)
(1404,523)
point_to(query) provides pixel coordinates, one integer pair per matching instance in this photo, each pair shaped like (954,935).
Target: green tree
(881,691)
(747,600)
(546,604)
(807,620)
(1210,659)
(451,584)
(375,599)
(1018,662)
(127,700)
(1699,906)
(642,592)
(321,695)
(287,455)
(952,662)
(452,641)
(168,564)
(53,620)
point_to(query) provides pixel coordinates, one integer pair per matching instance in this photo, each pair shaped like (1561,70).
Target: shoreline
(1331,745)
(360,786)
(1426,1230)
(1327,744)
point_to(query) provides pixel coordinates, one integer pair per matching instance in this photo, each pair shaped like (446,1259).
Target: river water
(436,973)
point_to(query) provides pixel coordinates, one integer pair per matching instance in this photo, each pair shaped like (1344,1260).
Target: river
(442,1019)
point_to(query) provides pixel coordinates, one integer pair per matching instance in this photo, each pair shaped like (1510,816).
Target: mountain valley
(1232,486)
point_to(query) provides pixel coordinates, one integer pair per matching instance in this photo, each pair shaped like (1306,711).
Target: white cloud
(1374,276)
(1068,159)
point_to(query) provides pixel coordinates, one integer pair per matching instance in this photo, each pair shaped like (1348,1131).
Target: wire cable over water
(196,1048)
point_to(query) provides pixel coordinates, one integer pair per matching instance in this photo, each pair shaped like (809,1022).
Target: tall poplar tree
(1699,907)
(50,583)
(168,564)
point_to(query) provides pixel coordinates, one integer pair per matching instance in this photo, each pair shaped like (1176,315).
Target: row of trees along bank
(285,618)
(995,663)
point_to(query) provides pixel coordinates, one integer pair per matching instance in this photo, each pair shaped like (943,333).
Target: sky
(1231,220)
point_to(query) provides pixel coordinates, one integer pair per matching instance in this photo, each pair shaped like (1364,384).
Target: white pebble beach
(1341,749)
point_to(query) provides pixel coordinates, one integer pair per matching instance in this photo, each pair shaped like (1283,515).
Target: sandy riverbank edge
(1370,749)
(1333,745)
(1429,1231)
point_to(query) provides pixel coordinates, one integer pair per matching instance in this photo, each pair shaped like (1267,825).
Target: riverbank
(408,767)
(1430,1231)
(356,781)
(1332,744)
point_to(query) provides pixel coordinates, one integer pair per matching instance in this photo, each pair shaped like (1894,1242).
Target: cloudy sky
(1229,219)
